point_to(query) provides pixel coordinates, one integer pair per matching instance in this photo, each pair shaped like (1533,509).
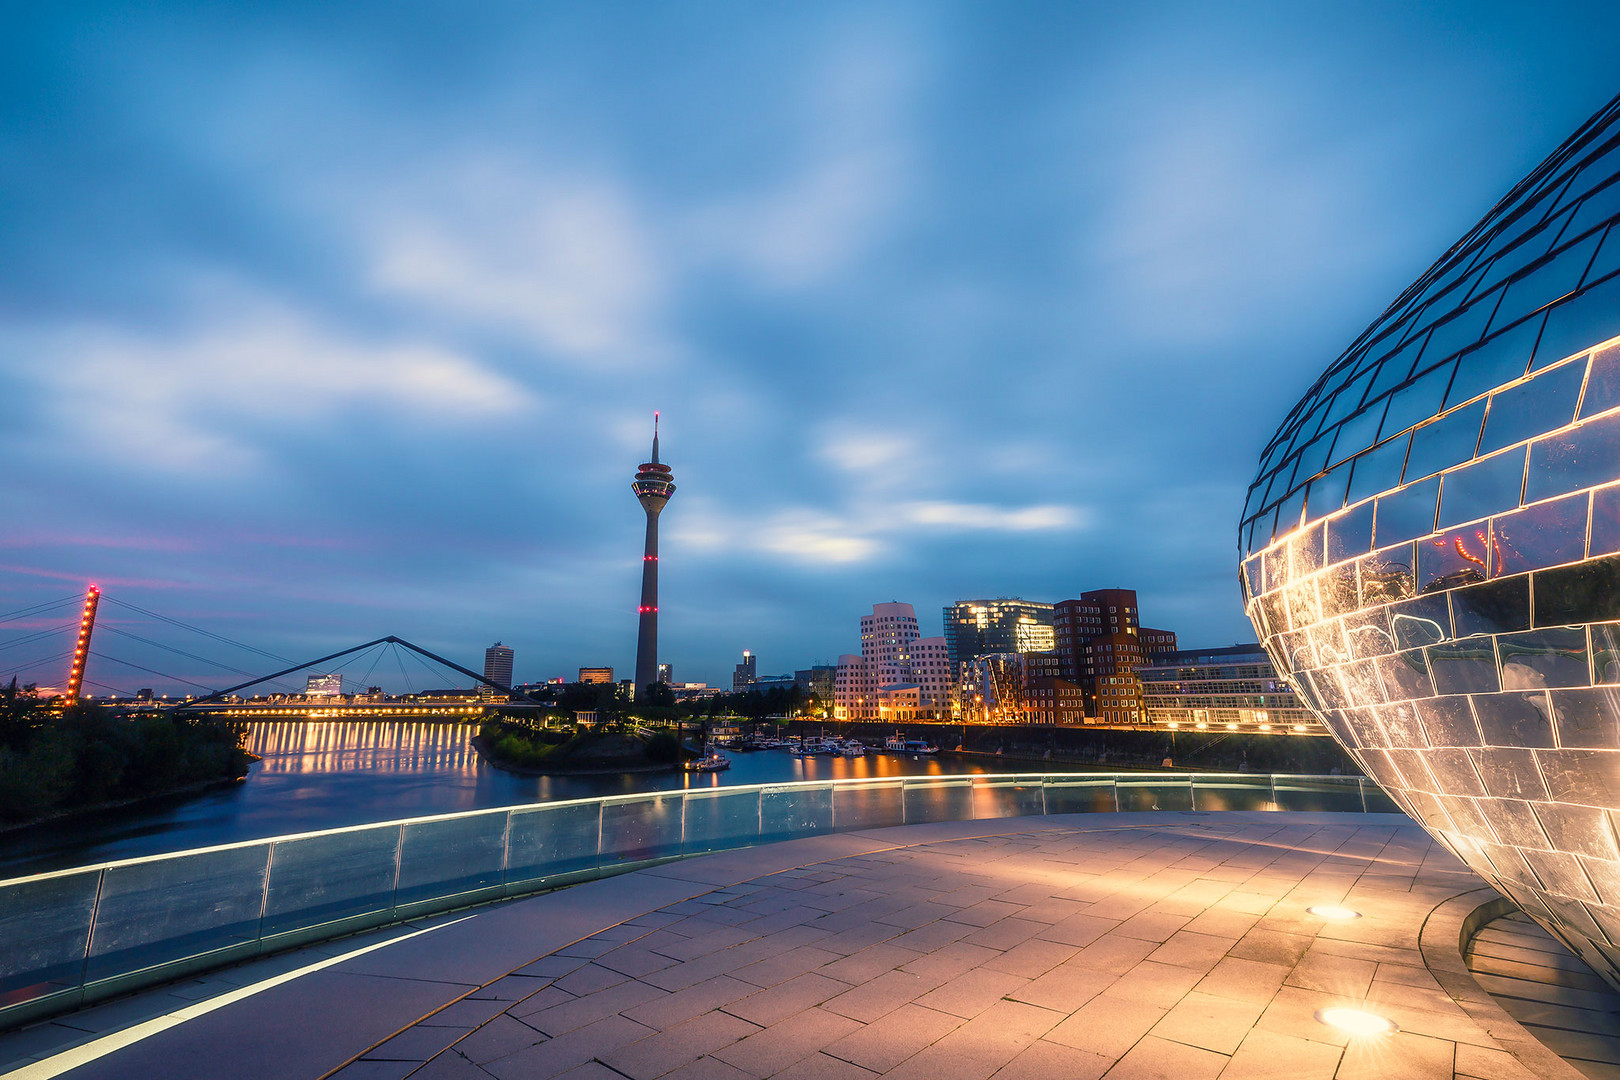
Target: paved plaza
(1127,946)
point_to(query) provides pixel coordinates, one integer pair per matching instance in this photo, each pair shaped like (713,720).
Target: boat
(897,744)
(852,748)
(713,761)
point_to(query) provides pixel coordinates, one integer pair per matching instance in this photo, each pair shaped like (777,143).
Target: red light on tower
(81,652)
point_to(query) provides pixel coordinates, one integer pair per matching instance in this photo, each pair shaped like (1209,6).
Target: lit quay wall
(1431,547)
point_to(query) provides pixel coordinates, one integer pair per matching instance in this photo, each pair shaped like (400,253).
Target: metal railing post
(1192,793)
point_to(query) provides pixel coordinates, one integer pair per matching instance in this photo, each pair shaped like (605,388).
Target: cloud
(177,402)
(564,263)
(817,537)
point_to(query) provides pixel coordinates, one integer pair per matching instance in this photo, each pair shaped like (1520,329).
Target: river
(327,774)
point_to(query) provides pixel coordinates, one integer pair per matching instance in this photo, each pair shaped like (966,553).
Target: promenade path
(1078,946)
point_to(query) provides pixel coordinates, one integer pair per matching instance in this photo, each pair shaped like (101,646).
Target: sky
(323,322)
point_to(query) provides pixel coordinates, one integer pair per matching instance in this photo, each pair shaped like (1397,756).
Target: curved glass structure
(1431,547)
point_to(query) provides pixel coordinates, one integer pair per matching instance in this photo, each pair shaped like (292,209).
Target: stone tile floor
(1179,948)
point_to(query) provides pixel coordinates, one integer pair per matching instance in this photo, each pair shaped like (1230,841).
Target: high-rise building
(1431,546)
(1006,625)
(653,485)
(323,685)
(743,675)
(497,668)
(602,675)
(1102,641)
(898,674)
(666,674)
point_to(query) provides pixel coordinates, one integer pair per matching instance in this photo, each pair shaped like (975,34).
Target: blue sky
(320,322)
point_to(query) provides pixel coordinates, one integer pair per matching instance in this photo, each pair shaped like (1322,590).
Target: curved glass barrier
(73,936)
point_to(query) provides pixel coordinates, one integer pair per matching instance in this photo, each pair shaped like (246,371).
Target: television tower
(653,485)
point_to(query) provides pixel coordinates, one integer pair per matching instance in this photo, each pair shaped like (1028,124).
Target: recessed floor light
(1334,912)
(1357,1022)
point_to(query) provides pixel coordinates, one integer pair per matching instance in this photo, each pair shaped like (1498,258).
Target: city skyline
(316,330)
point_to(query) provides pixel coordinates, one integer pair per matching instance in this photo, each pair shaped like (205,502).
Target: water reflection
(327,774)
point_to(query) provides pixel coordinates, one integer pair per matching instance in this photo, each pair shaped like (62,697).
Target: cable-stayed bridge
(104,647)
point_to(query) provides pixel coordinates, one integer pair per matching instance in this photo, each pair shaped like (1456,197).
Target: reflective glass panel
(1547,534)
(1500,359)
(1452,559)
(1350,534)
(45,924)
(1555,656)
(1465,666)
(1486,487)
(1585,592)
(1602,383)
(1378,470)
(1556,277)
(1605,530)
(1446,442)
(1495,607)
(1581,323)
(1579,458)
(1448,721)
(1421,621)
(1533,408)
(1408,513)
(1419,401)
(1588,718)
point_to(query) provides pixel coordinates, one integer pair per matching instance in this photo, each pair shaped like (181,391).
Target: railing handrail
(619,799)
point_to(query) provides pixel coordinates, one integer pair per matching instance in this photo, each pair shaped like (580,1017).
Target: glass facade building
(1234,688)
(1431,548)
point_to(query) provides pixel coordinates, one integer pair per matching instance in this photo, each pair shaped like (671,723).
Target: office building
(1431,546)
(818,680)
(497,668)
(1216,688)
(323,685)
(898,674)
(742,676)
(666,674)
(1102,641)
(653,485)
(1006,625)
(601,675)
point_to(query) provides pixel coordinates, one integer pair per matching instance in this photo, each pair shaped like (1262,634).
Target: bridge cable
(150,671)
(197,629)
(36,609)
(36,636)
(409,686)
(177,652)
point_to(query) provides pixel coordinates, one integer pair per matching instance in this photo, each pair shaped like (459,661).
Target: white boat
(713,761)
(852,748)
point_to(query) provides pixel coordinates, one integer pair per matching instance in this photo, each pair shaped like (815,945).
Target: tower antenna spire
(655,436)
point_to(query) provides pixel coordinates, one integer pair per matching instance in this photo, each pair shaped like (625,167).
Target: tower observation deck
(653,485)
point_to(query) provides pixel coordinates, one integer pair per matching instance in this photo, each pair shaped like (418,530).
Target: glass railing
(79,935)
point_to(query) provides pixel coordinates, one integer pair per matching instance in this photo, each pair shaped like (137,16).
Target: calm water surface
(323,775)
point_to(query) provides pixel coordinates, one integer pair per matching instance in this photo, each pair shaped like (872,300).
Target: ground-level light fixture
(1357,1022)
(1333,912)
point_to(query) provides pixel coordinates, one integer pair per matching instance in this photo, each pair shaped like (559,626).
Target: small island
(523,747)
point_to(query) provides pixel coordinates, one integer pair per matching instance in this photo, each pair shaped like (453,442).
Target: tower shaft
(647,632)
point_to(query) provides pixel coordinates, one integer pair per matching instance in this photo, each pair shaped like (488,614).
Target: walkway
(1130,945)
